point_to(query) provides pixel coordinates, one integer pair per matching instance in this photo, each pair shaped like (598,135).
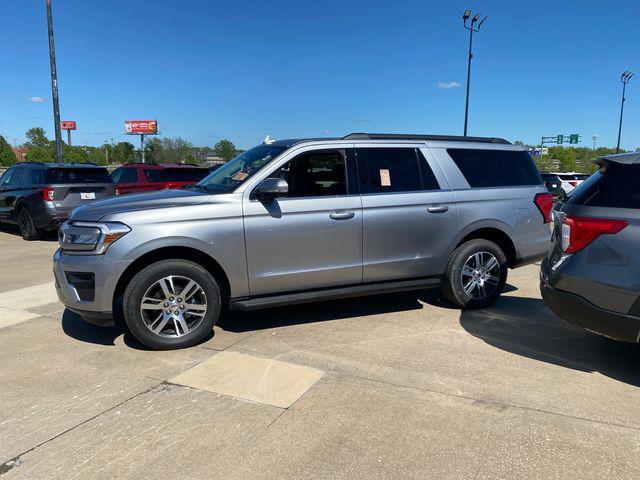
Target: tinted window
(125,175)
(78,175)
(151,174)
(616,186)
(6,176)
(182,174)
(36,176)
(397,170)
(315,174)
(495,168)
(18,177)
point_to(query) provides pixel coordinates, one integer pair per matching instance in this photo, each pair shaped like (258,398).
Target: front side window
(315,174)
(125,175)
(237,171)
(495,168)
(6,177)
(18,177)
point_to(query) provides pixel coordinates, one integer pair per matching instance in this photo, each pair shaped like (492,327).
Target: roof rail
(402,136)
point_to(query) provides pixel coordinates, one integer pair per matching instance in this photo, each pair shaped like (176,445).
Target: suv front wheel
(171,304)
(476,274)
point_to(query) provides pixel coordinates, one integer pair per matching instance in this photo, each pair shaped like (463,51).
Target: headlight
(89,238)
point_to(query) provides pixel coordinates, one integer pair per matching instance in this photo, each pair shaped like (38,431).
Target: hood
(93,212)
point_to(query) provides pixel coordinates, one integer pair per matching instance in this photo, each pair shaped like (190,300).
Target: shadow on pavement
(47,236)
(525,326)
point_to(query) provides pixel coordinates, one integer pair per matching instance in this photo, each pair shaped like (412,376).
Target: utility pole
(54,86)
(472,28)
(595,139)
(624,78)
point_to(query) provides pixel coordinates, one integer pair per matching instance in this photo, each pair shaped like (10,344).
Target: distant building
(20,153)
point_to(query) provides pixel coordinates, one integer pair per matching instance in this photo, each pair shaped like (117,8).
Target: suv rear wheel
(171,304)
(475,275)
(27,226)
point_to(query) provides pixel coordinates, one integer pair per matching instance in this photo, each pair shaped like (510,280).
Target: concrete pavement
(397,386)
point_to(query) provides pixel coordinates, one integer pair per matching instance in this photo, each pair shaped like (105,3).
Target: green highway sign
(559,139)
(574,138)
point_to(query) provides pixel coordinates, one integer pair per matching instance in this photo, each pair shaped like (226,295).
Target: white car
(571,180)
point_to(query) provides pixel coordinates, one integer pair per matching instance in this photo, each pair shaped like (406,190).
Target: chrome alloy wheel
(173,306)
(480,275)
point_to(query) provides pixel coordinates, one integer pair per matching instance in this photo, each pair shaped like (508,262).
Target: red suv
(145,177)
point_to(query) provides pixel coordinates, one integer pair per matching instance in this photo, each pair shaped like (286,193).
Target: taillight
(544,202)
(47,194)
(579,232)
(117,190)
(573,184)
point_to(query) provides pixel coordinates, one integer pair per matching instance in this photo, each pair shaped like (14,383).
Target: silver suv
(295,221)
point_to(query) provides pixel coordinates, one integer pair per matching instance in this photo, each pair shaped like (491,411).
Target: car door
(13,189)
(310,237)
(6,192)
(409,212)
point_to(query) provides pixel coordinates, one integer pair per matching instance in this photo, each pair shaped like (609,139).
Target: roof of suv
(394,136)
(159,165)
(624,158)
(58,165)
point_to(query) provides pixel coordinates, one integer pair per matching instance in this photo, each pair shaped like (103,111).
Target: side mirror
(271,188)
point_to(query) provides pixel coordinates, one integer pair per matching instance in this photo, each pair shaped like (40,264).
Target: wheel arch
(172,252)
(495,235)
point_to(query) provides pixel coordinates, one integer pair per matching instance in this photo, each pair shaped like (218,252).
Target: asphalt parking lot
(396,386)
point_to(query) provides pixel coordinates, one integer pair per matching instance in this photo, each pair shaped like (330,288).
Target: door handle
(438,209)
(342,215)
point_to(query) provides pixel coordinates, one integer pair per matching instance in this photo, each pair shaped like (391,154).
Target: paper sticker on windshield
(240,176)
(385,178)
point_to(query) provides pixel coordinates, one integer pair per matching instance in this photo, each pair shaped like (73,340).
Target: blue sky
(241,70)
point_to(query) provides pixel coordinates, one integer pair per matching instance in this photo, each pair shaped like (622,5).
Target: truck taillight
(47,193)
(580,232)
(544,202)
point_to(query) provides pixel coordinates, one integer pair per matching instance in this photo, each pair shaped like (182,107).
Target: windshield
(237,171)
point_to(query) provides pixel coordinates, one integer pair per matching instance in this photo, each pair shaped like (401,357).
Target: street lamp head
(481,22)
(475,18)
(466,15)
(626,76)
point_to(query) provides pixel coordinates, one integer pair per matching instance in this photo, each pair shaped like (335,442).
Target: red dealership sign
(140,127)
(68,125)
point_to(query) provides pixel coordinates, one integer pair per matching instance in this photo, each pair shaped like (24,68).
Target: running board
(245,304)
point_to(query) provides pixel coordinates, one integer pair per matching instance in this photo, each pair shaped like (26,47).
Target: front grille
(84,283)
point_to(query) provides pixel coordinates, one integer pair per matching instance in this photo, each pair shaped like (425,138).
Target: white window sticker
(385,178)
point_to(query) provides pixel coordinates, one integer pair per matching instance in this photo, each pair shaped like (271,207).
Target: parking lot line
(29,297)
(15,304)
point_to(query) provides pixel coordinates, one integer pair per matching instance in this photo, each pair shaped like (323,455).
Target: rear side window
(397,170)
(78,175)
(125,175)
(615,186)
(183,174)
(36,176)
(495,168)
(151,174)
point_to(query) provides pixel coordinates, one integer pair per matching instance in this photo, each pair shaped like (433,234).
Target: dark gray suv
(40,196)
(591,276)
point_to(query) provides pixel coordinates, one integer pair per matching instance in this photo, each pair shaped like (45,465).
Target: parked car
(146,177)
(306,220)
(553,184)
(40,196)
(591,275)
(571,180)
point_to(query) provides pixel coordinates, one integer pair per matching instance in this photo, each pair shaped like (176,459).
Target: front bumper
(579,311)
(94,306)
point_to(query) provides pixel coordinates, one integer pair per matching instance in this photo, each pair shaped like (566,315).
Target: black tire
(147,281)
(27,226)
(452,283)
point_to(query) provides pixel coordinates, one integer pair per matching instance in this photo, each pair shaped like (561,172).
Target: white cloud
(448,84)
(36,99)
(327,131)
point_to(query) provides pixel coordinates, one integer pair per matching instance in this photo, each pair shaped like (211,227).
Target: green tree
(123,152)
(225,149)
(169,150)
(39,154)
(7,157)
(36,137)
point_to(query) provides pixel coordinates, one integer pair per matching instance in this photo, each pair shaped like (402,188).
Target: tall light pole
(54,86)
(595,139)
(624,78)
(472,27)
